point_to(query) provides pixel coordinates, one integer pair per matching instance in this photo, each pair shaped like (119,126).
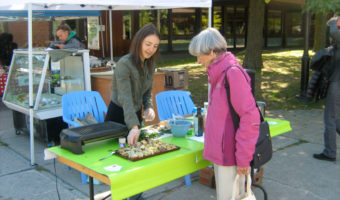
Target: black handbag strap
(234,116)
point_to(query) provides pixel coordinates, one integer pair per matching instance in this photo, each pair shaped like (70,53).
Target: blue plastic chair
(174,102)
(78,105)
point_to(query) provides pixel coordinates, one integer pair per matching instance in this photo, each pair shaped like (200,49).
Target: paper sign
(113,168)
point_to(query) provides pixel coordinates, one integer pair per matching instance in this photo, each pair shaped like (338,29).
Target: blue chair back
(79,104)
(175,102)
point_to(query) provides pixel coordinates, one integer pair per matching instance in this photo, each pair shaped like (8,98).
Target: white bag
(243,195)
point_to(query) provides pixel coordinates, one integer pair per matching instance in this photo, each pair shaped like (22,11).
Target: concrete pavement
(292,174)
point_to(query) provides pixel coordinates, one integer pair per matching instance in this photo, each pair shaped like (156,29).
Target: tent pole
(209,25)
(111,47)
(30,78)
(210,16)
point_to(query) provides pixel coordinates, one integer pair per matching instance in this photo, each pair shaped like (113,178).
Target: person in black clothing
(67,39)
(332,105)
(6,48)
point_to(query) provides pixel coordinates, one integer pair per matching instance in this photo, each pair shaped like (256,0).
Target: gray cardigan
(131,90)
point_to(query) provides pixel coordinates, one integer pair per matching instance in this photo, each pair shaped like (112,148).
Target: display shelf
(69,72)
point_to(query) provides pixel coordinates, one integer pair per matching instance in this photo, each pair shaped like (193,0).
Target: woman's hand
(149,114)
(133,135)
(61,46)
(243,170)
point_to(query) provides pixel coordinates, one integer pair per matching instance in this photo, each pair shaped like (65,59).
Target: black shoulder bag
(263,149)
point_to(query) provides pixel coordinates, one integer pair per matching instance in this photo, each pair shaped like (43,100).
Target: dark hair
(136,46)
(65,27)
(6,37)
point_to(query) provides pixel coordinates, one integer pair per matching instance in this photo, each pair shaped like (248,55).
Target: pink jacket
(222,145)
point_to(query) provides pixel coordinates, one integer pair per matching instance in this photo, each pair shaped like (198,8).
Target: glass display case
(55,72)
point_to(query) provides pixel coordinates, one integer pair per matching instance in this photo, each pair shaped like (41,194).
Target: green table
(278,126)
(139,176)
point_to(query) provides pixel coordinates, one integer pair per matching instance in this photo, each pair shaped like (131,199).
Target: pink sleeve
(245,106)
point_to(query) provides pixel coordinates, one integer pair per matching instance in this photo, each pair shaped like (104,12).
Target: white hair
(206,41)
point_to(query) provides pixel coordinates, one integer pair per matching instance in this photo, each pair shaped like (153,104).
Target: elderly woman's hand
(243,170)
(149,114)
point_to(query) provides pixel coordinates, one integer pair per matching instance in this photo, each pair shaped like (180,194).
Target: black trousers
(115,113)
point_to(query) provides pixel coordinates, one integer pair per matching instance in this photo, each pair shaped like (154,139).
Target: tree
(320,30)
(321,8)
(253,55)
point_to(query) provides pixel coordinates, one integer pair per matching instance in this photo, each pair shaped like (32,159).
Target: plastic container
(179,128)
(122,142)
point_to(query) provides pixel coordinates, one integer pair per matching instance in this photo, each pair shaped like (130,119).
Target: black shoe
(322,156)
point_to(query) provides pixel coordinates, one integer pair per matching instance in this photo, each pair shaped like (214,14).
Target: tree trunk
(253,56)
(320,32)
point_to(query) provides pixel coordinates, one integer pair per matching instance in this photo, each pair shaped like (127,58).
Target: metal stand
(305,63)
(257,185)
(91,188)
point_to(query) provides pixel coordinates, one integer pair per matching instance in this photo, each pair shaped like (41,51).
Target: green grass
(277,83)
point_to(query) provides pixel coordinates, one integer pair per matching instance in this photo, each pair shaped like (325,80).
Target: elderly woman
(230,151)
(67,39)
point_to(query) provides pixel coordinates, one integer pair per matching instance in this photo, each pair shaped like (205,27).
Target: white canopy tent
(30,5)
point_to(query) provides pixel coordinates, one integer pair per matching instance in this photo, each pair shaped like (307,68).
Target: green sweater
(130,90)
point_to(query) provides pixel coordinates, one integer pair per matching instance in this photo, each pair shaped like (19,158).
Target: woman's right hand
(243,170)
(133,135)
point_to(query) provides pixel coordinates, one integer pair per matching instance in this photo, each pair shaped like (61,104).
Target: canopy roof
(102,4)
(48,13)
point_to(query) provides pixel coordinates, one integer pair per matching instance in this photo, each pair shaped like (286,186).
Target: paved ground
(292,174)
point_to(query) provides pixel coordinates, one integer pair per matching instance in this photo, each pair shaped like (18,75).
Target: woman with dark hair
(68,39)
(132,82)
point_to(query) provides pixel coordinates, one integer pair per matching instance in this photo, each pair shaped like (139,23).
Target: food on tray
(153,131)
(145,148)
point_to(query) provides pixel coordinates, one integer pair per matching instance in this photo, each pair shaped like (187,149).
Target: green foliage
(322,6)
(145,17)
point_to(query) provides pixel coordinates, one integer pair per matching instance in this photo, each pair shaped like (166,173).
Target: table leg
(91,188)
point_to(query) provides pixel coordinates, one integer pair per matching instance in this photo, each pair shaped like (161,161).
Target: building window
(146,17)
(127,25)
(163,17)
(294,29)
(205,18)
(274,30)
(183,22)
(183,26)
(234,25)
(240,27)
(218,18)
(229,26)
